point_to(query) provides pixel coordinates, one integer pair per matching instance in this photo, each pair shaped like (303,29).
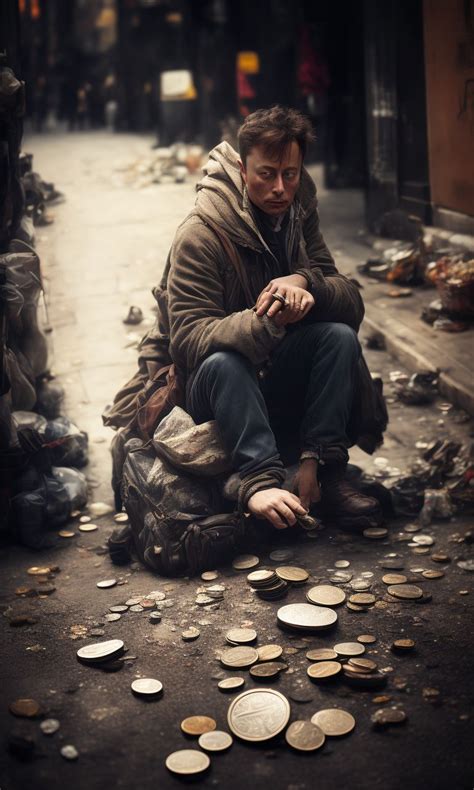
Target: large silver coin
(325,595)
(258,715)
(306,616)
(304,736)
(187,762)
(147,687)
(239,657)
(100,651)
(217,741)
(334,721)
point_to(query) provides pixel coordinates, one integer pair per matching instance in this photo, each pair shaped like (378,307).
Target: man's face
(272,183)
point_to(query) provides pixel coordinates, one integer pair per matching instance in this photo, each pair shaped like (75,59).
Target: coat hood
(222,195)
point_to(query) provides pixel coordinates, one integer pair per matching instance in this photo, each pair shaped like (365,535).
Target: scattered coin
(190,634)
(405,591)
(440,557)
(204,600)
(356,608)
(25,708)
(290,573)
(421,549)
(403,644)
(106,583)
(132,602)
(306,617)
(217,741)
(466,565)
(375,533)
(393,565)
(281,555)
(325,595)
(324,670)
(88,527)
(215,590)
(241,636)
(269,652)
(230,684)
(334,722)
(136,608)
(41,570)
(341,577)
(321,654)
(66,533)
(366,639)
(387,717)
(359,585)
(154,618)
(301,695)
(209,576)
(349,649)
(304,736)
(364,664)
(187,762)
(423,540)
(262,576)
(412,528)
(239,657)
(369,680)
(85,519)
(147,603)
(362,599)
(258,714)
(433,574)
(245,561)
(394,578)
(197,725)
(341,564)
(112,617)
(69,752)
(49,726)
(147,687)
(267,669)
(100,651)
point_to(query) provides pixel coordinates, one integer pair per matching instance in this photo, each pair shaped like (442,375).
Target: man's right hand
(277,506)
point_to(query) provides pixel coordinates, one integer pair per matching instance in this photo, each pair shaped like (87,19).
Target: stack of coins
(267,585)
(292,575)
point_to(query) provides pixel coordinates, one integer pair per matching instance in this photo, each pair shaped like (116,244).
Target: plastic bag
(29,419)
(75,484)
(69,445)
(50,395)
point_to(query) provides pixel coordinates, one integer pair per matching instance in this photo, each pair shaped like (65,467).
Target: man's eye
(265,174)
(290,175)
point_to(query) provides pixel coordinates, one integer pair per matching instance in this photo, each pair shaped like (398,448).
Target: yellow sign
(248,62)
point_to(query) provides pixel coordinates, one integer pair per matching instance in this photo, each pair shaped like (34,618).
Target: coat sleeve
(199,322)
(336,297)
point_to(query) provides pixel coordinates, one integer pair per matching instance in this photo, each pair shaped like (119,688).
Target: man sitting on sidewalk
(264,328)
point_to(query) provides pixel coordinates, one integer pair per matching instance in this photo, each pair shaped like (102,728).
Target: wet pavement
(105,251)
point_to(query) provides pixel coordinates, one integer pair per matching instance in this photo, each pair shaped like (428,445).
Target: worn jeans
(302,403)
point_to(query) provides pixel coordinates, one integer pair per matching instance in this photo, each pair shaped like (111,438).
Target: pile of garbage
(164,164)
(453,277)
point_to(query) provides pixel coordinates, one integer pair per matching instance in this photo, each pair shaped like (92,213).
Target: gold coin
(349,649)
(39,570)
(423,540)
(216,741)
(403,644)
(325,595)
(354,607)
(364,664)
(209,576)
(66,533)
(257,577)
(405,591)
(245,561)
(341,564)
(421,550)
(362,599)
(88,527)
(25,708)
(197,725)
(375,533)
(289,573)
(304,736)
(394,578)
(440,558)
(239,657)
(267,669)
(433,574)
(334,721)
(187,762)
(121,518)
(269,652)
(230,684)
(324,670)
(366,639)
(241,636)
(321,654)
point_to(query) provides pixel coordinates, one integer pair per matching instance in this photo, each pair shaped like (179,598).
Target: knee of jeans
(225,363)
(344,336)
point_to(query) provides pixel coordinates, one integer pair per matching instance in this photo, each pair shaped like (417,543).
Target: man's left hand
(298,300)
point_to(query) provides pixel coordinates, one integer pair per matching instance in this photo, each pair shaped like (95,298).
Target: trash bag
(34,512)
(69,445)
(50,395)
(29,419)
(22,390)
(75,484)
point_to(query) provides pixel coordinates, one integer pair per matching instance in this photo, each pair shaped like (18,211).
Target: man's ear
(243,171)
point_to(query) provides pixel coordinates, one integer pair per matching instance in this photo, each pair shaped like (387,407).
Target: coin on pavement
(245,561)
(341,564)
(334,721)
(241,636)
(100,651)
(230,684)
(321,654)
(121,518)
(306,616)
(304,736)
(290,573)
(269,652)
(239,657)
(433,574)
(197,725)
(362,599)
(25,708)
(88,527)
(325,595)
(216,741)
(106,583)
(209,576)
(281,555)
(405,591)
(403,644)
(187,762)
(38,570)
(190,634)
(362,664)
(258,714)
(324,670)
(366,639)
(349,649)
(261,576)
(394,578)
(386,717)
(423,540)
(267,669)
(375,533)
(147,687)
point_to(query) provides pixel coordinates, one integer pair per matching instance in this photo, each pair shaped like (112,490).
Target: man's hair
(274,129)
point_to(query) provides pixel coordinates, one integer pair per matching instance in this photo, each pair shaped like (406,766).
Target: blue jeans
(302,403)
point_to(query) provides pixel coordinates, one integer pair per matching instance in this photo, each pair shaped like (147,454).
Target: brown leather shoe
(345,505)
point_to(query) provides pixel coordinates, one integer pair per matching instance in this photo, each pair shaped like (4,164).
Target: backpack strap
(232,254)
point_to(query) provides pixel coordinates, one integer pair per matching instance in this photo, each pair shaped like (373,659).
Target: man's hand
(298,300)
(277,506)
(306,482)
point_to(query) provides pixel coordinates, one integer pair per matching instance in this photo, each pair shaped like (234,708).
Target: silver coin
(69,752)
(258,715)
(119,609)
(190,634)
(132,602)
(466,565)
(326,595)
(241,636)
(147,687)
(209,576)
(304,736)
(112,617)
(230,684)
(100,651)
(281,555)
(348,649)
(239,657)
(215,741)
(106,583)
(136,608)
(306,616)
(423,540)
(155,617)
(341,577)
(334,721)
(187,762)
(49,726)
(88,527)
(341,564)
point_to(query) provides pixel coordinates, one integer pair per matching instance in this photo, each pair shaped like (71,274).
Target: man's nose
(278,186)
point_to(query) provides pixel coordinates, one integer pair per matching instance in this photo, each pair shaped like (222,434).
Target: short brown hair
(275,129)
